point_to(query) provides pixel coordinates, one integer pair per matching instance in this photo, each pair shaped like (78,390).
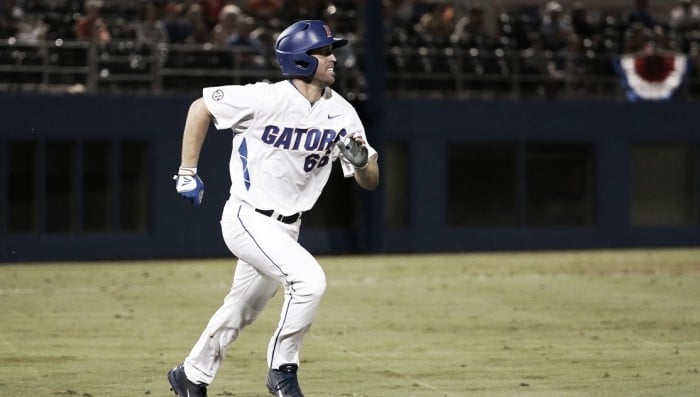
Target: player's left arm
(368,176)
(358,158)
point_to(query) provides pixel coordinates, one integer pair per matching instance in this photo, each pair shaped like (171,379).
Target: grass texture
(588,323)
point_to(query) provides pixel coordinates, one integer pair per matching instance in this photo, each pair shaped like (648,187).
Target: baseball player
(285,137)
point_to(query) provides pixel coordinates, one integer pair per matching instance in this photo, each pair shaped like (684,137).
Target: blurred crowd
(557,39)
(564,41)
(414,22)
(248,24)
(550,24)
(222,22)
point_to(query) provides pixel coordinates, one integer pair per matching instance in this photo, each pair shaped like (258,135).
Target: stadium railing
(130,67)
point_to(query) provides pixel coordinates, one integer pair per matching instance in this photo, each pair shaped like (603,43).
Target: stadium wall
(87,178)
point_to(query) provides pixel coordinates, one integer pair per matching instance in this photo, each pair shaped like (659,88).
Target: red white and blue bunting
(652,76)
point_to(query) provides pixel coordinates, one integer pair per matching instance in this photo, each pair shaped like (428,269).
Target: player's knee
(317,283)
(312,284)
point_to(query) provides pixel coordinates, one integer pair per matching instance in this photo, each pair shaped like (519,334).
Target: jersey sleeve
(232,106)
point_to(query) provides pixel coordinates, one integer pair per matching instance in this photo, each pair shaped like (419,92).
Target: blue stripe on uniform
(243,153)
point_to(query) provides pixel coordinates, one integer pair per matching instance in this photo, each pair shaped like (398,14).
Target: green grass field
(598,323)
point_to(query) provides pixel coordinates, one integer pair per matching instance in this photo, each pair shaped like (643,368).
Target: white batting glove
(189,185)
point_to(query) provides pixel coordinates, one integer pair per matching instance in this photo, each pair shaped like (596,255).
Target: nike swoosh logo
(332,117)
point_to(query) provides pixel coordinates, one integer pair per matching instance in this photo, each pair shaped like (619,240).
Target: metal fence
(122,67)
(129,67)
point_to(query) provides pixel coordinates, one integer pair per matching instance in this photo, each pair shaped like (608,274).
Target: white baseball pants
(268,255)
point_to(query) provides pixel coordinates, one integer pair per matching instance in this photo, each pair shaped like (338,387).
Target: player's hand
(189,185)
(354,150)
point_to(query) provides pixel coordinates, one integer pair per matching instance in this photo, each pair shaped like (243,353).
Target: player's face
(325,72)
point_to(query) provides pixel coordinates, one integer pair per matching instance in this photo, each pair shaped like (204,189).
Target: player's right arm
(196,126)
(187,183)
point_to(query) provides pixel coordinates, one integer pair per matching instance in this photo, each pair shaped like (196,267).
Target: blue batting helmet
(294,43)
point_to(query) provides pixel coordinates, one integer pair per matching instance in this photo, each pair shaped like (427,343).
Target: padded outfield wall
(91,178)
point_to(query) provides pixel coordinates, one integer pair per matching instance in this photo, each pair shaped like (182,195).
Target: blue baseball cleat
(283,382)
(182,386)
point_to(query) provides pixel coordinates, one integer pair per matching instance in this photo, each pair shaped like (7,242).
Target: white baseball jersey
(283,146)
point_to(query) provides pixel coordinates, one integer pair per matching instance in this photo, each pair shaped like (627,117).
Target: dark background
(91,178)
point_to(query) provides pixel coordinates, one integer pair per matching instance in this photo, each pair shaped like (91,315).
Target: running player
(286,136)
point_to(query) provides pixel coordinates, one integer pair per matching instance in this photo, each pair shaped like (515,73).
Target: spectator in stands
(200,32)
(266,36)
(264,9)
(397,21)
(240,37)
(470,30)
(555,28)
(684,22)
(150,29)
(401,13)
(436,25)
(248,52)
(175,23)
(567,68)
(91,26)
(227,26)
(30,29)
(685,16)
(211,10)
